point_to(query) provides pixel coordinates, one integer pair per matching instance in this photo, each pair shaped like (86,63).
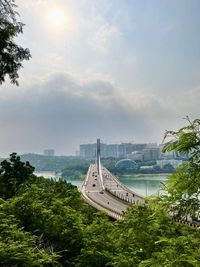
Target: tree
(20,248)
(186,140)
(176,251)
(11,54)
(183,187)
(14,174)
(99,243)
(55,212)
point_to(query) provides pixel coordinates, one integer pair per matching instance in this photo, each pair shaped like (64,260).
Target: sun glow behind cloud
(150,54)
(57,17)
(61,19)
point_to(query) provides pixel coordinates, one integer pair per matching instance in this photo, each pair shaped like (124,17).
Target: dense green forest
(46,222)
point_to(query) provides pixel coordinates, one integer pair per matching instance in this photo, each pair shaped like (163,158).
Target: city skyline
(53,152)
(118,70)
(145,151)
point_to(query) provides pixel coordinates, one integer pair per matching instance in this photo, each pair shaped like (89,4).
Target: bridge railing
(124,198)
(100,206)
(124,187)
(193,225)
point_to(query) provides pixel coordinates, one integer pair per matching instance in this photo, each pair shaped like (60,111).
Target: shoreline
(145,174)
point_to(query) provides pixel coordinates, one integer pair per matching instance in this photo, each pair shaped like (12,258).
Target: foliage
(14,174)
(55,212)
(99,243)
(47,223)
(186,140)
(183,198)
(20,248)
(177,252)
(75,170)
(11,54)
(67,165)
(146,237)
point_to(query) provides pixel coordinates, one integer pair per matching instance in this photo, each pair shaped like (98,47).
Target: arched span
(126,163)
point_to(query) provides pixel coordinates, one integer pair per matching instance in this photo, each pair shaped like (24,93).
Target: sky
(119,70)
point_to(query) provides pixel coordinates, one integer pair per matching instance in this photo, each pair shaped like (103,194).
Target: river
(146,184)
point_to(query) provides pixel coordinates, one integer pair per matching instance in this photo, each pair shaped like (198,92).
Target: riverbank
(145,184)
(145,175)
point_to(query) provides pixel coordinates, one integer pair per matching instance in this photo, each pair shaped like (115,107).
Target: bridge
(103,191)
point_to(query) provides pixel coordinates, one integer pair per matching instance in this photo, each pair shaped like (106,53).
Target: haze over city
(119,70)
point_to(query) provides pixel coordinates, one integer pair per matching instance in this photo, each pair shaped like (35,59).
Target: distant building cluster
(136,152)
(49,152)
(141,152)
(111,150)
(173,162)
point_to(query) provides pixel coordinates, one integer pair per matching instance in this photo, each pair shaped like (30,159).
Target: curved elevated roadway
(104,192)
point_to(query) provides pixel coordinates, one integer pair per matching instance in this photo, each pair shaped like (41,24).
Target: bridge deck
(111,196)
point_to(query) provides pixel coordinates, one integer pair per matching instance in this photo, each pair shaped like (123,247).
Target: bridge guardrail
(113,213)
(123,199)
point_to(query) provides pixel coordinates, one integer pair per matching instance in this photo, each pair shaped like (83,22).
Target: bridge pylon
(98,155)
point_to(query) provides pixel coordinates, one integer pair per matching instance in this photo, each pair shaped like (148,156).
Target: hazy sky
(115,69)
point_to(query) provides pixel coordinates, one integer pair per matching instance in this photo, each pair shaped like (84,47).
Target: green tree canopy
(20,248)
(47,223)
(186,140)
(11,54)
(183,187)
(14,174)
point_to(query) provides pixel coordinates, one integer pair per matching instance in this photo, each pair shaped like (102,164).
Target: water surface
(147,184)
(57,176)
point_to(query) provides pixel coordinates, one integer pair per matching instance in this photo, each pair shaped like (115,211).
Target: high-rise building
(173,162)
(133,151)
(88,150)
(111,150)
(136,156)
(150,154)
(130,148)
(121,151)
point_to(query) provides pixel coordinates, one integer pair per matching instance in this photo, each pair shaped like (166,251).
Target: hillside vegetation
(46,223)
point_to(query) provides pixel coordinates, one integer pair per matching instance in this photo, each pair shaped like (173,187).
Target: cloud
(105,37)
(62,111)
